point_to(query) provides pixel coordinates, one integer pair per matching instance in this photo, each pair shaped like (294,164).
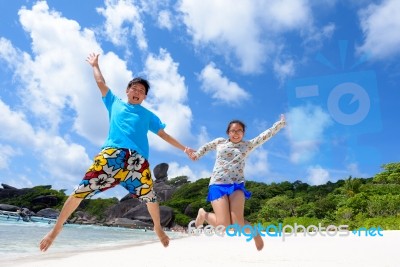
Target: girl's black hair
(238,122)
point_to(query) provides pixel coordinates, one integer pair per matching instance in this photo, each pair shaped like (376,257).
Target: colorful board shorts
(216,191)
(113,166)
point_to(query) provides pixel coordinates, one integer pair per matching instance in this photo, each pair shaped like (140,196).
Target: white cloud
(122,21)
(56,96)
(249,30)
(58,90)
(354,171)
(328,30)
(381,27)
(167,98)
(202,138)
(257,164)
(15,122)
(54,77)
(205,174)
(284,69)
(6,155)
(57,78)
(8,53)
(317,175)
(60,160)
(221,89)
(18,181)
(305,131)
(284,15)
(164,19)
(176,170)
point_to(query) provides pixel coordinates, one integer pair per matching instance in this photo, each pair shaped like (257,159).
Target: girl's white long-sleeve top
(230,161)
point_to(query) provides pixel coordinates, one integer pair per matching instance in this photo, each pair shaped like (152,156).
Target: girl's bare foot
(48,239)
(259,242)
(164,239)
(201,217)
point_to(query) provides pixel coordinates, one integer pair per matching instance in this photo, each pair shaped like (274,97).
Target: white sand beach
(378,251)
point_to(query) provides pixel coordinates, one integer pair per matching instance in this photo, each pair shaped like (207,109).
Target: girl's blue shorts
(216,191)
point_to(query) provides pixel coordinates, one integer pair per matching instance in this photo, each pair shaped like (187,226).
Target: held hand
(190,153)
(93,59)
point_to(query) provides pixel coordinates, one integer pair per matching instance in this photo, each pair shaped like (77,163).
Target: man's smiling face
(136,93)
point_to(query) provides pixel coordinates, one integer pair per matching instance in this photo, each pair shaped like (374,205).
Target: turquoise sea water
(20,239)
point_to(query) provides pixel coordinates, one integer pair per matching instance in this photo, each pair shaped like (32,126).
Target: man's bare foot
(164,239)
(48,239)
(201,217)
(259,242)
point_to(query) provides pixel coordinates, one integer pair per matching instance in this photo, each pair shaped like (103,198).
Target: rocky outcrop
(6,186)
(7,207)
(161,172)
(129,212)
(120,209)
(132,209)
(141,213)
(48,213)
(163,190)
(10,192)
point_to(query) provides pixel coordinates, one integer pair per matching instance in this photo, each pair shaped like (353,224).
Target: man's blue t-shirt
(129,125)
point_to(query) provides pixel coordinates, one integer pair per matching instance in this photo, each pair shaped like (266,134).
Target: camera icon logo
(349,99)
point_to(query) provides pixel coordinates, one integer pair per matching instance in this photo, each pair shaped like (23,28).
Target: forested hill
(357,202)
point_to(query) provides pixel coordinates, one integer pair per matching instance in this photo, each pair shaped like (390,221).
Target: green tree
(178,181)
(352,186)
(391,174)
(386,205)
(279,207)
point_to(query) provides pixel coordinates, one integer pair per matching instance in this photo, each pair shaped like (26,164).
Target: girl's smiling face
(235,133)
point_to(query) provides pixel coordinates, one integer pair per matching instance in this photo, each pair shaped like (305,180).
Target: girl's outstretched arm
(266,135)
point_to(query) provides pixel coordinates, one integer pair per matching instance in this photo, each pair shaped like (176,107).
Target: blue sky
(332,67)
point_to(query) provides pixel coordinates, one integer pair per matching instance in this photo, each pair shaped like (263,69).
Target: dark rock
(11,193)
(118,210)
(84,216)
(190,211)
(164,191)
(7,207)
(6,186)
(48,213)
(141,213)
(92,220)
(126,197)
(161,172)
(26,212)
